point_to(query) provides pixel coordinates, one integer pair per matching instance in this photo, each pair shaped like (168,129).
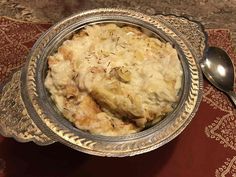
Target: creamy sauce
(112,80)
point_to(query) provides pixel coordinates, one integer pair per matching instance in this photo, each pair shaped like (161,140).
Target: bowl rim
(36,102)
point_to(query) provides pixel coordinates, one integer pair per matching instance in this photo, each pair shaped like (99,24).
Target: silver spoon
(219,70)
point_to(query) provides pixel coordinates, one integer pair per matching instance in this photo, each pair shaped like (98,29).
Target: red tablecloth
(207,147)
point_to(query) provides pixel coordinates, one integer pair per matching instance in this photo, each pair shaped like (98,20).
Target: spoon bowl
(219,70)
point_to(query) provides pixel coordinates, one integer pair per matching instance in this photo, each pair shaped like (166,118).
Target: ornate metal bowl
(38,120)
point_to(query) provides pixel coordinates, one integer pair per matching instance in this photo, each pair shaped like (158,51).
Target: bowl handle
(14,119)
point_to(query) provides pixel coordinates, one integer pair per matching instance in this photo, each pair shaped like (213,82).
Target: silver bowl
(49,120)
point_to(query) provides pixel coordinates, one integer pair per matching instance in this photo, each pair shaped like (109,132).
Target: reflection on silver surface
(219,70)
(208,63)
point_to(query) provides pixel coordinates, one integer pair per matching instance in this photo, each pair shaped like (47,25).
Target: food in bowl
(114,80)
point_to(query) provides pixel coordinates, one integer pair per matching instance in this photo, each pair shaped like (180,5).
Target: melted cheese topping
(112,80)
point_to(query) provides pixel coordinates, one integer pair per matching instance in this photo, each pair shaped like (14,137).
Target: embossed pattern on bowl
(48,119)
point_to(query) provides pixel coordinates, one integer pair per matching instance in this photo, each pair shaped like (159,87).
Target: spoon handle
(232,95)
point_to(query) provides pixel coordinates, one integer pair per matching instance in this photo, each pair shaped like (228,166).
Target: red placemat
(207,147)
